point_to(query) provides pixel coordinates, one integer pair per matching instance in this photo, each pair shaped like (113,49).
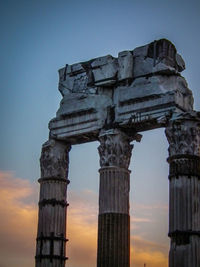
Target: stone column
(51,235)
(183,134)
(114,220)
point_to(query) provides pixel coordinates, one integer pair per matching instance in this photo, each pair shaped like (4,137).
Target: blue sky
(39,37)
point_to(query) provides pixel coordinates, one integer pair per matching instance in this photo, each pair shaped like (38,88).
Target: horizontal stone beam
(137,91)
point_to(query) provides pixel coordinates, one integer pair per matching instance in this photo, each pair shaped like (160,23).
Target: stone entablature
(139,89)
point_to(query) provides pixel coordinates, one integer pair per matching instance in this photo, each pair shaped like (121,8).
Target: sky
(38,37)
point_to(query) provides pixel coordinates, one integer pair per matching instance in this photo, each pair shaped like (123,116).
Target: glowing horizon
(19,219)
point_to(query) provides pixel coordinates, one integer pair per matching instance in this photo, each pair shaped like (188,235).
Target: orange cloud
(82,233)
(18,213)
(82,228)
(143,251)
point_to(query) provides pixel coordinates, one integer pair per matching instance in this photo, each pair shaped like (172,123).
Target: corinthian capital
(54,159)
(115,149)
(183,134)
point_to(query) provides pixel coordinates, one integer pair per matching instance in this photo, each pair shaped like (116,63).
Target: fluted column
(114,220)
(183,134)
(51,235)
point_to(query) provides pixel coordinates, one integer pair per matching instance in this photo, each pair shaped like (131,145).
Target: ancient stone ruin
(113,100)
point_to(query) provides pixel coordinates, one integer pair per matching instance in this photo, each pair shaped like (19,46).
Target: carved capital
(183,134)
(54,159)
(114,149)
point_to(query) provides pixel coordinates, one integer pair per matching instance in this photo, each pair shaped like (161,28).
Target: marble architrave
(139,90)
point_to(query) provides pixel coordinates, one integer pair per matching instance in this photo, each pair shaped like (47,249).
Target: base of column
(46,263)
(185,254)
(113,240)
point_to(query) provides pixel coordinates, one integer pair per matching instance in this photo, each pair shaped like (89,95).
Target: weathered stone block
(76,68)
(180,63)
(66,86)
(141,51)
(100,61)
(62,74)
(142,66)
(125,61)
(142,84)
(159,57)
(104,71)
(80,115)
(151,98)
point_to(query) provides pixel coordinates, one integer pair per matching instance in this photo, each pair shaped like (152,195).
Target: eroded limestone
(144,83)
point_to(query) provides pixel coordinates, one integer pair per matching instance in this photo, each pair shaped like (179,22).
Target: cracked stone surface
(139,90)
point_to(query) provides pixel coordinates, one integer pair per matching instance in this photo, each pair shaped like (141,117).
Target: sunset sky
(37,38)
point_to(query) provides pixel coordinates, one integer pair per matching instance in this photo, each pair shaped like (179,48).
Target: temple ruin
(113,100)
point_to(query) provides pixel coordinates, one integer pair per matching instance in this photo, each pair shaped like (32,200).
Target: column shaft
(114,220)
(51,236)
(184,188)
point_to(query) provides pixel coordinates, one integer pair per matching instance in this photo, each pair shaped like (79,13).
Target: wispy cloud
(18,213)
